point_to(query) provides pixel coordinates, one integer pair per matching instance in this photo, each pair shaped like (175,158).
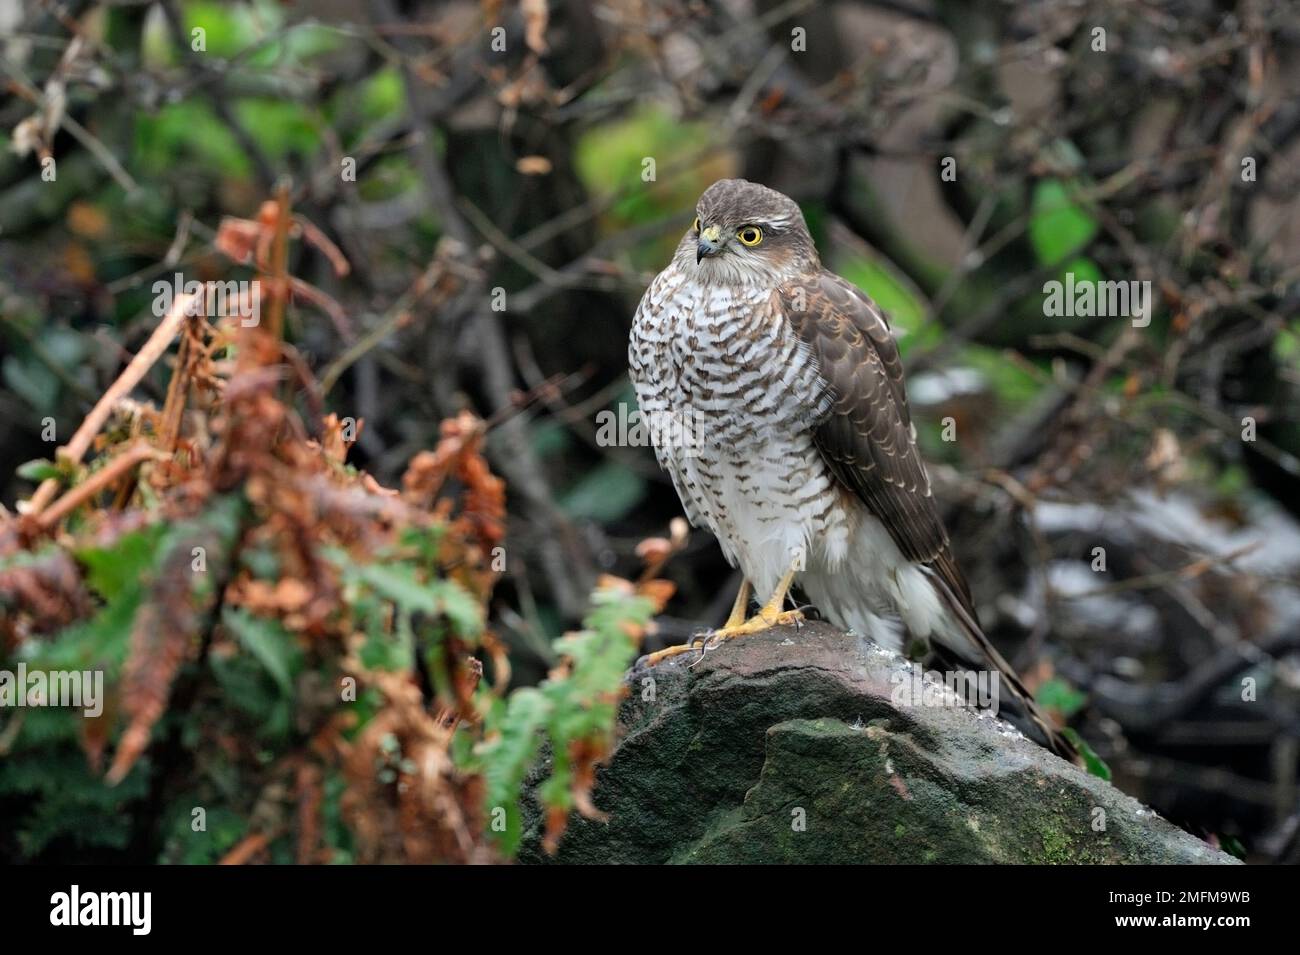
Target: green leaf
(1084,269)
(1286,346)
(222,831)
(551,439)
(122,566)
(400,584)
(1091,760)
(228,28)
(381,95)
(280,127)
(1059,695)
(1013,385)
(506,758)
(1233,846)
(188,130)
(31,381)
(425,541)
(306,40)
(38,470)
(55,797)
(266,640)
(604,494)
(1058,226)
(578,704)
(101,641)
(460,606)
(611,154)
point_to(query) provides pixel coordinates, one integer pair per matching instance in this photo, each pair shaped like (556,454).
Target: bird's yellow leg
(693,645)
(772,614)
(737,615)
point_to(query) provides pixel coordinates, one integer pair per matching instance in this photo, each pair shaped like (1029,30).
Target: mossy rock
(787,747)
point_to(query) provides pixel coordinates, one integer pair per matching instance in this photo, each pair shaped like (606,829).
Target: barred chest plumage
(729,395)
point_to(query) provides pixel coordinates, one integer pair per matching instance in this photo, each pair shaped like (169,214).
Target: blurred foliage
(254,680)
(1059,226)
(288,662)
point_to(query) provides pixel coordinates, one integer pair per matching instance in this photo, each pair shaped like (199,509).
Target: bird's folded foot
(756,624)
(765,619)
(771,615)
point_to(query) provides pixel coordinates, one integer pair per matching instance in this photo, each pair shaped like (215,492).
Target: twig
(76,131)
(131,376)
(106,476)
(397,315)
(1161,578)
(279,265)
(508,246)
(246,849)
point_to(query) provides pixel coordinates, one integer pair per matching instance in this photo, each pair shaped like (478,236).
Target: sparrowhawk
(773,394)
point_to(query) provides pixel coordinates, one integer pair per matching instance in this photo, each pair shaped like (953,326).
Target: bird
(772,392)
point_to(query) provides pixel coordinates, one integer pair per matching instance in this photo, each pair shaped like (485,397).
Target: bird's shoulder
(836,304)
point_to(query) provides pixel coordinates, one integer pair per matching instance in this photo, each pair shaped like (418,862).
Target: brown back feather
(866,438)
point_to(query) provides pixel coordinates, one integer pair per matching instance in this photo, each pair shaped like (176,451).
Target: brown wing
(866,437)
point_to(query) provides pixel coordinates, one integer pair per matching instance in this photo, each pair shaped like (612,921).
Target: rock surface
(785,747)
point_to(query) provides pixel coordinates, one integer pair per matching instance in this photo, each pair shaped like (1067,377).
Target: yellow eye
(696,226)
(750,235)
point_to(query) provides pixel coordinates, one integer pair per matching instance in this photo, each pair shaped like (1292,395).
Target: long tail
(1055,740)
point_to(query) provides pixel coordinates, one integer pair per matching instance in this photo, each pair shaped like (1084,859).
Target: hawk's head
(745,233)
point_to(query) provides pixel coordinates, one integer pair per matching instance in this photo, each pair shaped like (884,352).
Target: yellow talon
(771,615)
(689,646)
(763,620)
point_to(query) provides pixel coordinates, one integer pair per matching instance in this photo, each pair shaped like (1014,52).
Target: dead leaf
(533,165)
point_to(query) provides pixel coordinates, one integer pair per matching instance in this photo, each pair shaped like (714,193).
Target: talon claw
(772,614)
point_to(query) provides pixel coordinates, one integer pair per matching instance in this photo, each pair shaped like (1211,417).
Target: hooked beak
(710,243)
